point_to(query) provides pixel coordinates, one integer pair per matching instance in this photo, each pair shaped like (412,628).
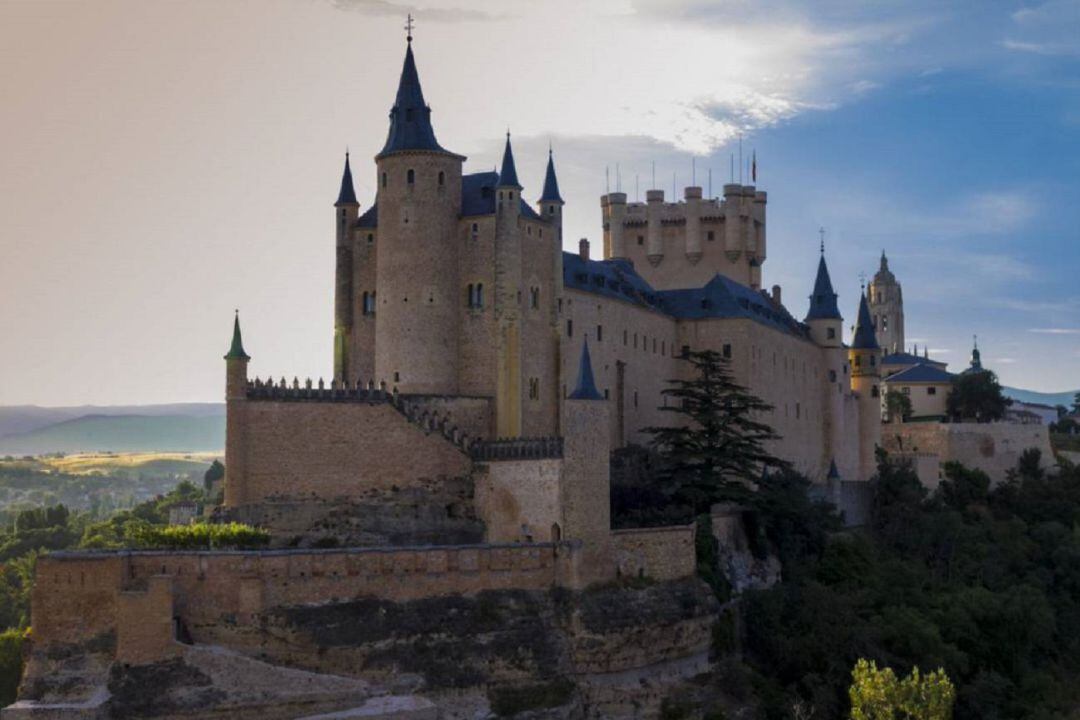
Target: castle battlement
(518,449)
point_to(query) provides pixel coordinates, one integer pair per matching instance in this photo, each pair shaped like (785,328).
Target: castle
(481,378)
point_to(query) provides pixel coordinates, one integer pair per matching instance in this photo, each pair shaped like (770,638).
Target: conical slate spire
(410,118)
(865,338)
(586,386)
(236,351)
(346,196)
(508,174)
(823,301)
(551,183)
(834,474)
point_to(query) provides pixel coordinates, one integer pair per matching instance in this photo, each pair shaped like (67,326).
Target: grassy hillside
(21,419)
(125,433)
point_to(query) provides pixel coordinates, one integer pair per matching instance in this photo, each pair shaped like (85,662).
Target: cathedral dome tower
(418,205)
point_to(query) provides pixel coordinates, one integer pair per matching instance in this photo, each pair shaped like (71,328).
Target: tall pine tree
(715,449)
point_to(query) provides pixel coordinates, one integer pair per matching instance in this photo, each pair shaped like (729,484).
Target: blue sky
(168,162)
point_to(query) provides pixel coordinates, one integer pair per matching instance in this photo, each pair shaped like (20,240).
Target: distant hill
(20,419)
(1051,399)
(199,432)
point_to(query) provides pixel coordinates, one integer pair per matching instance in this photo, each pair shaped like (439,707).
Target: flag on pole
(753,166)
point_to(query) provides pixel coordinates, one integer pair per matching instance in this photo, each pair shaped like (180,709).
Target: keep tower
(887,308)
(418,205)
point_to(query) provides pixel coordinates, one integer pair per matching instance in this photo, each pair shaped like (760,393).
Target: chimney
(776,295)
(583,248)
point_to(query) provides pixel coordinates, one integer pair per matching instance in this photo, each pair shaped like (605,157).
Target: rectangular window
(569,328)
(635,398)
(607,394)
(686,351)
(831,333)
(931,390)
(906,391)
(727,350)
(640,239)
(625,335)
(710,236)
(599,333)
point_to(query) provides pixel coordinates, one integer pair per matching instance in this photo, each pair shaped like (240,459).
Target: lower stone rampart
(664,553)
(994,448)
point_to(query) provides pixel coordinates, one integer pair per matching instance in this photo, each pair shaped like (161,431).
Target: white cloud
(1004,360)
(1056,331)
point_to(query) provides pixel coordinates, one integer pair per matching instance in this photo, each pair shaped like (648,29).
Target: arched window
(556,533)
(442,178)
(410,176)
(534,297)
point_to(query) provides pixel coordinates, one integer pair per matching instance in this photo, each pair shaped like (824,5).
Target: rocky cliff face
(606,652)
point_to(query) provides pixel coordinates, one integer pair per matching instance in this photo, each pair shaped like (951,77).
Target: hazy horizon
(169,162)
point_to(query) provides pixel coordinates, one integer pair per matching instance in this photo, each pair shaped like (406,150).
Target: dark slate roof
(865,338)
(823,301)
(236,350)
(508,174)
(721,297)
(346,195)
(586,385)
(410,118)
(551,183)
(369,219)
(905,358)
(921,374)
(615,279)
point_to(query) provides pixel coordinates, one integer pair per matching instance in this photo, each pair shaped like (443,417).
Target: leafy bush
(197,536)
(11,664)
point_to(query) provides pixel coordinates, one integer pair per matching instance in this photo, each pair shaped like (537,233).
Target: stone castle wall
(664,553)
(325,450)
(81,596)
(994,448)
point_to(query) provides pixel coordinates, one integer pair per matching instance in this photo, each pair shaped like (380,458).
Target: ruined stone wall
(664,553)
(331,450)
(994,448)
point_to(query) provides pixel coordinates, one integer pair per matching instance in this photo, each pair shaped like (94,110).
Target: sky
(167,162)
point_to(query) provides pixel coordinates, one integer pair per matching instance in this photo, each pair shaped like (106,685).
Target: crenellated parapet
(544,448)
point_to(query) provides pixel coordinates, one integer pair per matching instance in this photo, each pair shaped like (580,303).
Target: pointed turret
(834,474)
(410,118)
(823,302)
(236,351)
(586,386)
(346,196)
(508,174)
(864,328)
(551,183)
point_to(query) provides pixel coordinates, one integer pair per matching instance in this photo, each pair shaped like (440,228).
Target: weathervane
(862,280)
(821,232)
(408,28)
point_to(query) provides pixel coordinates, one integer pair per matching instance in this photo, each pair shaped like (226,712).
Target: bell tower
(887,309)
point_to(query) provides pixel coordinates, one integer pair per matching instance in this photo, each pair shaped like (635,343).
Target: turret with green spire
(236,350)
(236,362)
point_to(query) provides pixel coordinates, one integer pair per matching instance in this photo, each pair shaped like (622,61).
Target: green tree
(977,396)
(11,664)
(897,406)
(1076,403)
(215,472)
(879,695)
(715,449)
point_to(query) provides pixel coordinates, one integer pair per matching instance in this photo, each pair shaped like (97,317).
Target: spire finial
(409,25)
(821,232)
(976,339)
(862,281)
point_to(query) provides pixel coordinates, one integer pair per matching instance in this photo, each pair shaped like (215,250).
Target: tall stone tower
(864,356)
(418,205)
(887,309)
(508,298)
(346,210)
(236,363)
(826,330)
(586,489)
